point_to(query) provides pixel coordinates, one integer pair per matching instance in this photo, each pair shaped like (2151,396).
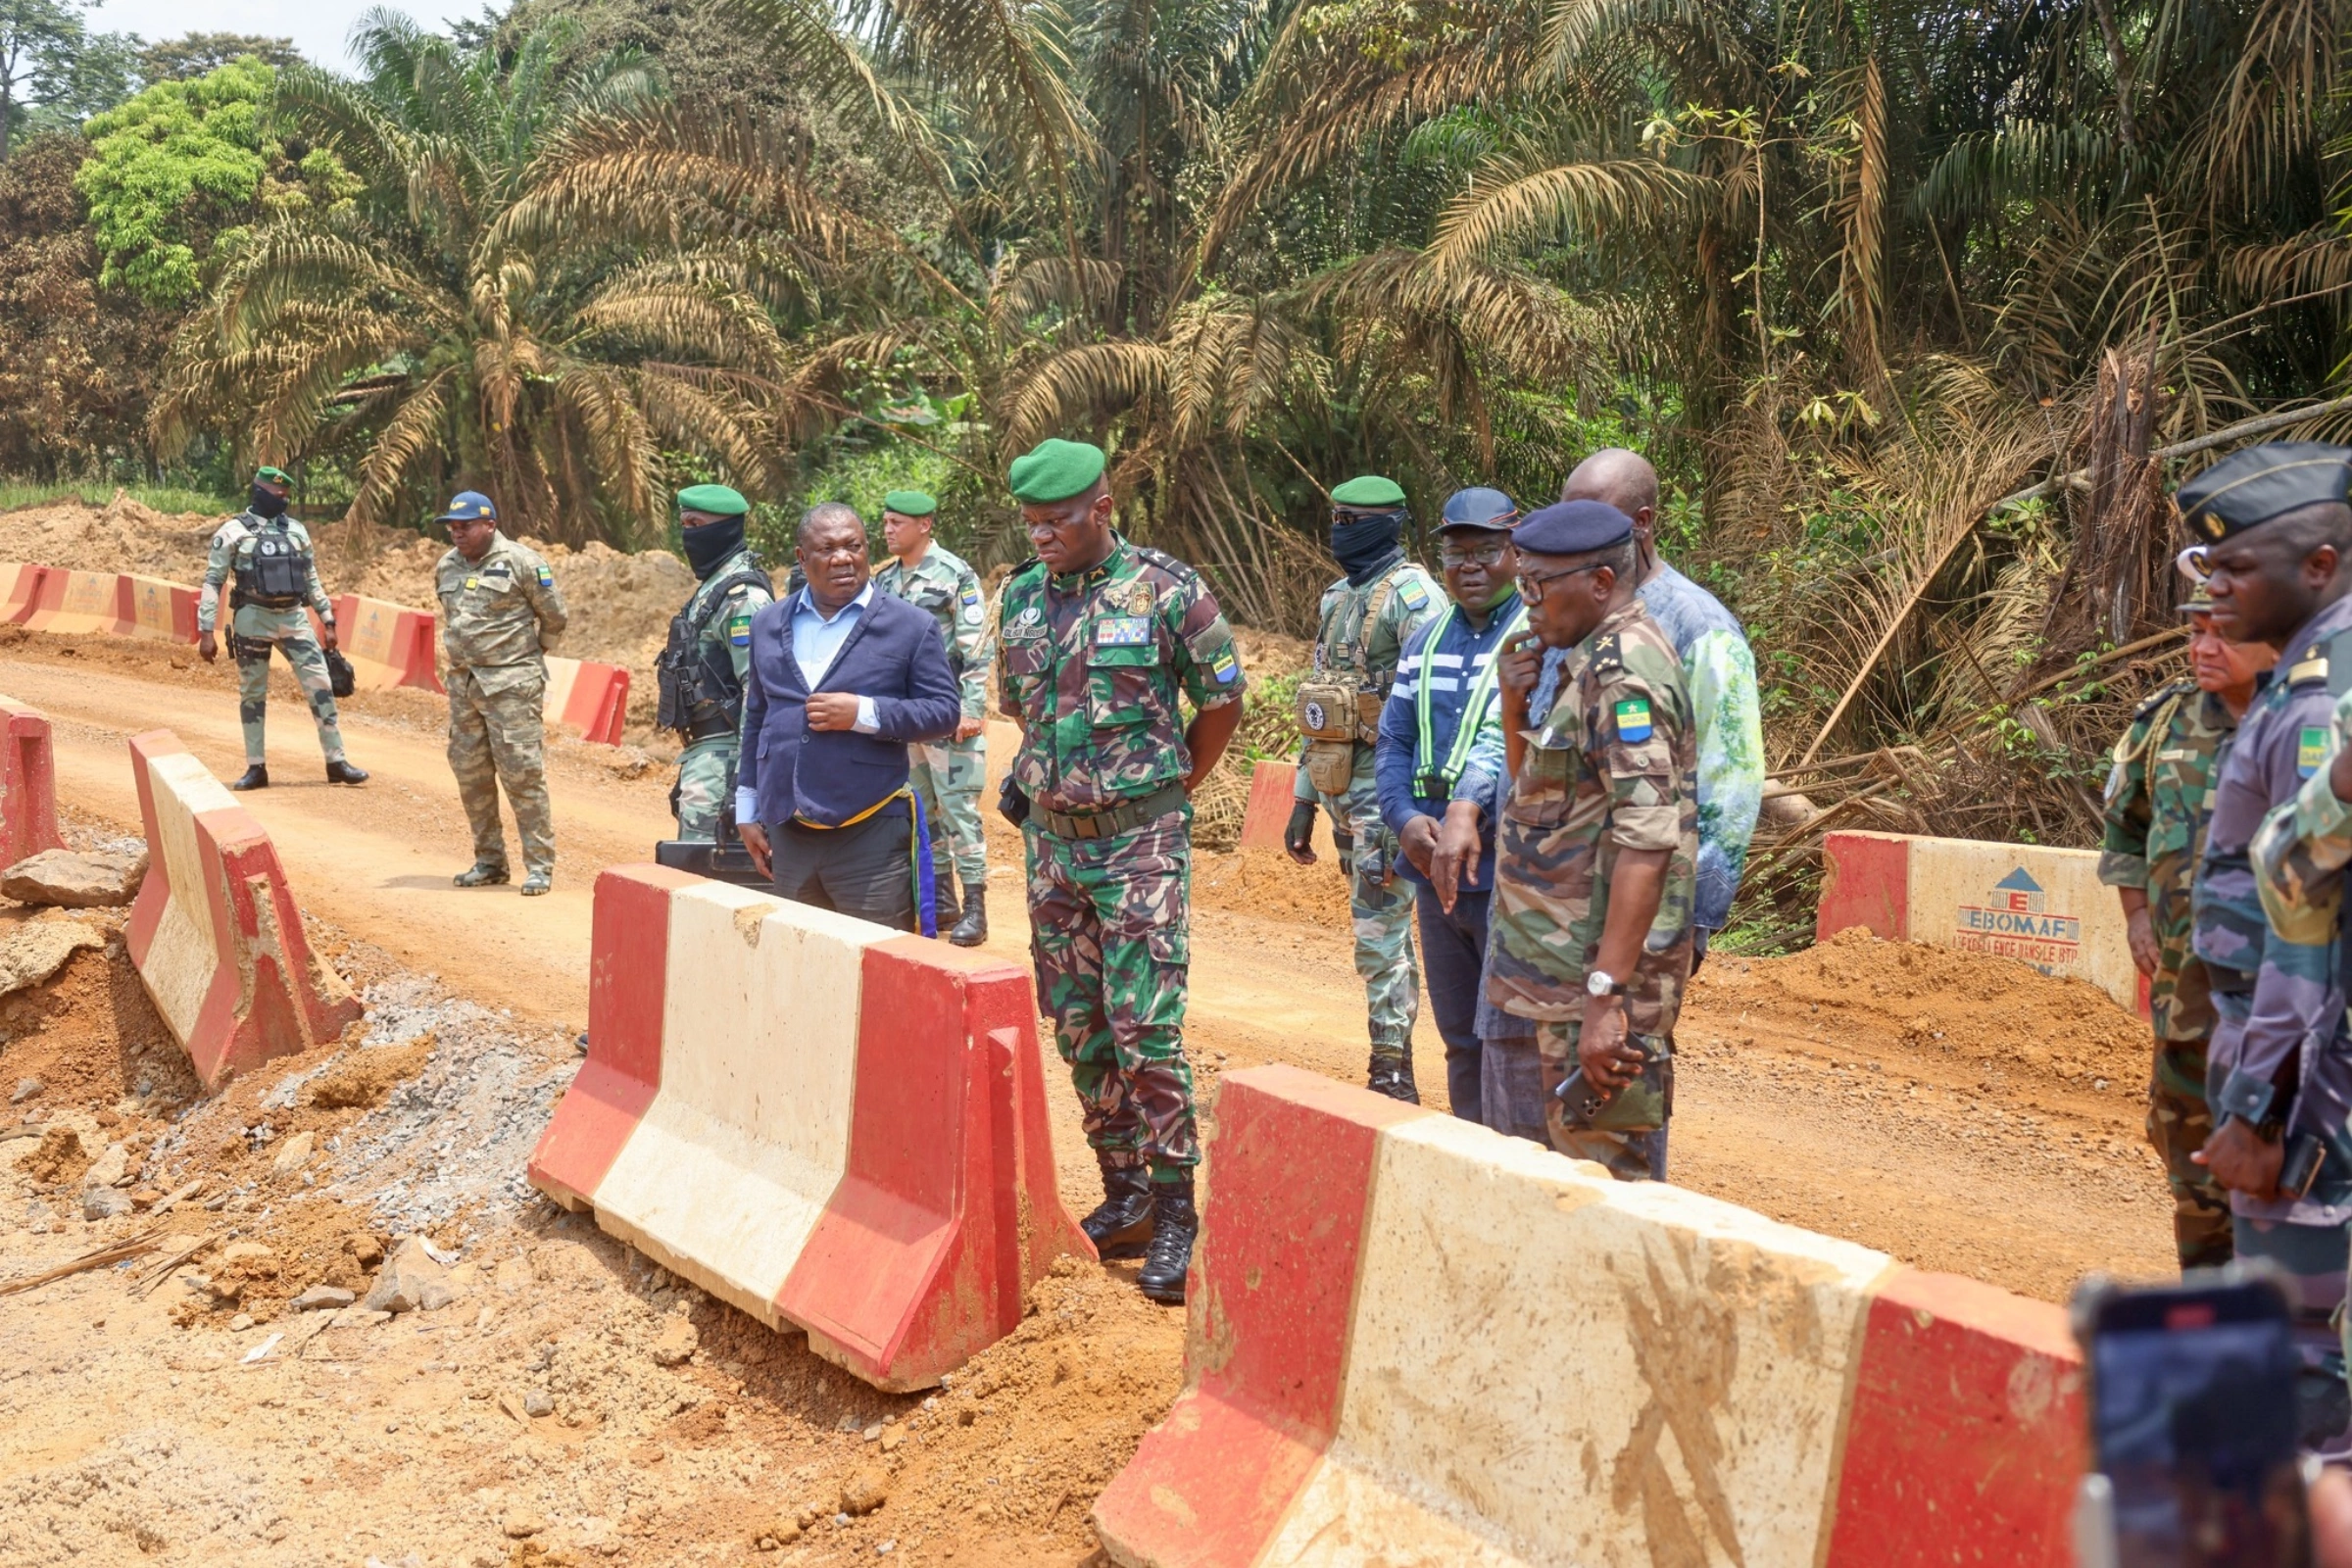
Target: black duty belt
(1116,819)
(238,598)
(703,728)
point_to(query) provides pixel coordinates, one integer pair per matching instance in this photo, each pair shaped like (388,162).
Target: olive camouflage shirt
(950,590)
(234,545)
(2159,799)
(499,610)
(1092,666)
(1612,767)
(1350,641)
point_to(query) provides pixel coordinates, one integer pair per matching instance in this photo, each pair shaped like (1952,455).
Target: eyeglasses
(1531,589)
(1483,556)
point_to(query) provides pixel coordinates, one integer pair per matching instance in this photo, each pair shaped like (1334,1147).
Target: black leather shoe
(972,929)
(1176,1224)
(944,910)
(1122,1224)
(255,778)
(340,771)
(1395,1079)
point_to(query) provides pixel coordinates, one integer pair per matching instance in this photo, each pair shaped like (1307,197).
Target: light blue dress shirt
(816,641)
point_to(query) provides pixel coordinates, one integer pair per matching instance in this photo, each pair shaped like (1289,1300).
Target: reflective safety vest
(1433,781)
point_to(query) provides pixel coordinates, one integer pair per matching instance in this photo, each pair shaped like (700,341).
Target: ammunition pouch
(1336,715)
(1327,709)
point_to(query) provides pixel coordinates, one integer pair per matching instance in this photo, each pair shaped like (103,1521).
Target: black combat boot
(1392,1076)
(1121,1225)
(255,777)
(943,910)
(340,771)
(972,929)
(1174,1226)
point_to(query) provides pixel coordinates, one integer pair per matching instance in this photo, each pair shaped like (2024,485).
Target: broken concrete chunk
(73,879)
(293,1151)
(400,1286)
(322,1298)
(27,1087)
(104,1203)
(38,948)
(110,1168)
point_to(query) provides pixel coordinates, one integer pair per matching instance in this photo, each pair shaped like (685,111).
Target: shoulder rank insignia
(1633,720)
(2313,666)
(1607,653)
(2311,750)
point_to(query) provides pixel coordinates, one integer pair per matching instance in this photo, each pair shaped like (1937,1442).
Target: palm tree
(552,282)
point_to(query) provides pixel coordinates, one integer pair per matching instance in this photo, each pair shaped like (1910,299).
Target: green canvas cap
(909,504)
(266,475)
(1056,469)
(715,499)
(1369,490)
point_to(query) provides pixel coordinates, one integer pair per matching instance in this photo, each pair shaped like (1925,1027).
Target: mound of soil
(1269,884)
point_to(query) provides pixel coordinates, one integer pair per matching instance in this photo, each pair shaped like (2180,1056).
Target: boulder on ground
(400,1286)
(74,879)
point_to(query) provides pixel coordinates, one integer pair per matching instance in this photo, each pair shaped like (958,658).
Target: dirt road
(1940,1142)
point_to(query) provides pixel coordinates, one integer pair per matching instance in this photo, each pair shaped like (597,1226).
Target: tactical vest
(1339,703)
(700,696)
(278,577)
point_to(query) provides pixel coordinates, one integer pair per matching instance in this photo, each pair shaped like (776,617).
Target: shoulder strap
(752,576)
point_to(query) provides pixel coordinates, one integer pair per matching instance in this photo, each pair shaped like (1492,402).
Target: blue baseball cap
(1480,508)
(466,506)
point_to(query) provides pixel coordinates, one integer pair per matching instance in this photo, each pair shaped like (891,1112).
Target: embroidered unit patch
(1633,720)
(2311,750)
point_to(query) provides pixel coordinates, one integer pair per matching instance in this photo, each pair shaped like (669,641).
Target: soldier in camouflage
(499,612)
(1101,642)
(948,774)
(1596,856)
(1367,618)
(702,668)
(276,573)
(2154,832)
(2275,528)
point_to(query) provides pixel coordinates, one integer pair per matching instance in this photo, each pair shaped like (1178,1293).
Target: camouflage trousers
(1624,1132)
(497,735)
(1109,934)
(1382,909)
(705,784)
(254,631)
(2179,1124)
(949,775)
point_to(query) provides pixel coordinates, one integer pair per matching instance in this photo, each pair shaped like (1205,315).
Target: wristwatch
(1602,983)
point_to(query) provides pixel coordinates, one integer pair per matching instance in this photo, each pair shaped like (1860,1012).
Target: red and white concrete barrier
(19,583)
(828,1123)
(588,698)
(27,783)
(215,936)
(1269,811)
(2042,906)
(73,603)
(388,645)
(157,608)
(1414,1342)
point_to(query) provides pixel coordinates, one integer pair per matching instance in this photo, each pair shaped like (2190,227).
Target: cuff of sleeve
(2319,814)
(1300,789)
(1474,785)
(747,805)
(1645,828)
(2120,870)
(868,723)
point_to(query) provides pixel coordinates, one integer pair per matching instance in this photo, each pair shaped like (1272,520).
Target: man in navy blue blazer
(842,681)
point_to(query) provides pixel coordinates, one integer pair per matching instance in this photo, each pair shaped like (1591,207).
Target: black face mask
(266,503)
(711,543)
(1365,542)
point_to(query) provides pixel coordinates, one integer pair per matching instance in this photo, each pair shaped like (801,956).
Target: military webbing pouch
(1327,716)
(278,569)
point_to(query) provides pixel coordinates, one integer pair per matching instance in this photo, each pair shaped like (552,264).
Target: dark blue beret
(1573,529)
(1479,507)
(2247,489)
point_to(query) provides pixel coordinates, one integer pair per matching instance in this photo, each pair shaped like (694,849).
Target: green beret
(268,476)
(715,499)
(1369,490)
(909,504)
(1056,469)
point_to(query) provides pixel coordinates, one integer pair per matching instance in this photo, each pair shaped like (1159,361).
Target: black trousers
(862,870)
(1452,947)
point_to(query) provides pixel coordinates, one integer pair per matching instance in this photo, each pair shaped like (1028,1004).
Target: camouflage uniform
(1363,636)
(1612,767)
(498,614)
(706,766)
(277,619)
(2158,793)
(1093,666)
(949,774)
